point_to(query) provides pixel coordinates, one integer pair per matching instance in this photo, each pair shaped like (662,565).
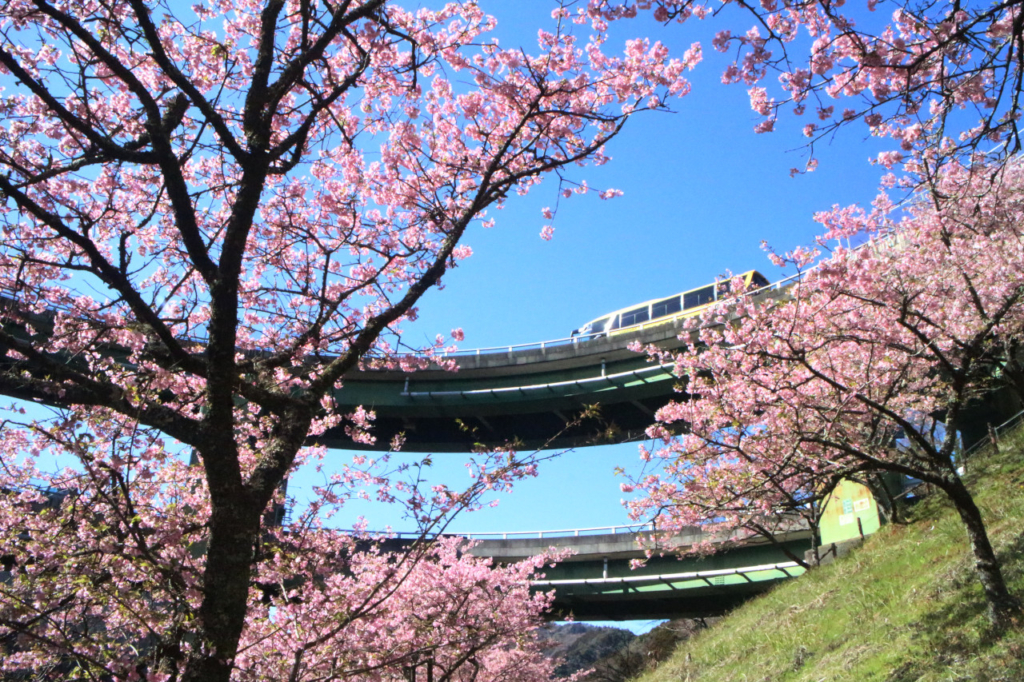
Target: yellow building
(850,512)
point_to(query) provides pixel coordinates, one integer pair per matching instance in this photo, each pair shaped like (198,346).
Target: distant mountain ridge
(614,654)
(578,646)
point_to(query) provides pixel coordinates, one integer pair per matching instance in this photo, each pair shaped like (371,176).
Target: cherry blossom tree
(941,80)
(846,373)
(324,604)
(209,216)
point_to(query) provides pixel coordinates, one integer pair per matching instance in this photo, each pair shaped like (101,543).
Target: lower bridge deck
(598,583)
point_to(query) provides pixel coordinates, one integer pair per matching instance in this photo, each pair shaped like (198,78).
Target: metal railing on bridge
(631,529)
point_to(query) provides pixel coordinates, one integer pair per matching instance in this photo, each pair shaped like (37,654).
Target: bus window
(635,316)
(666,307)
(692,299)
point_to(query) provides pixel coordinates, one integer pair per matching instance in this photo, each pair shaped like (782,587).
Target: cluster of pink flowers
(907,79)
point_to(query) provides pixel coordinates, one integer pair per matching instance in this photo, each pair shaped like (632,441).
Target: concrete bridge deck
(598,583)
(532,396)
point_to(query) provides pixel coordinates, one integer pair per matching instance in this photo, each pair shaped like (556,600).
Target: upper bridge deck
(531,395)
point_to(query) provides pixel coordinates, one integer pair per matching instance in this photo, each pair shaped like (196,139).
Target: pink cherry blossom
(942,81)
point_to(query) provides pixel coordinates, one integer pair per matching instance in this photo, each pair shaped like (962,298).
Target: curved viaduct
(532,396)
(597,582)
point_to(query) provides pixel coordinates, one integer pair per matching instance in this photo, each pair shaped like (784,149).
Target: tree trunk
(1002,606)
(880,489)
(226,580)
(815,535)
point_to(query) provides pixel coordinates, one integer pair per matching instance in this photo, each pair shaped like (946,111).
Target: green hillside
(905,606)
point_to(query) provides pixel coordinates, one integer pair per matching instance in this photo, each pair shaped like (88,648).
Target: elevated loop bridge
(533,396)
(598,583)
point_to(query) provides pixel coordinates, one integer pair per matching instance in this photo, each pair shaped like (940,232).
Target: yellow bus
(681,305)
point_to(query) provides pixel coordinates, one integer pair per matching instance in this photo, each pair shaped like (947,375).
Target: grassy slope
(905,606)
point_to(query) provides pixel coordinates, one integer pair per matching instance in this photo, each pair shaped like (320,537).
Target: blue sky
(701,192)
